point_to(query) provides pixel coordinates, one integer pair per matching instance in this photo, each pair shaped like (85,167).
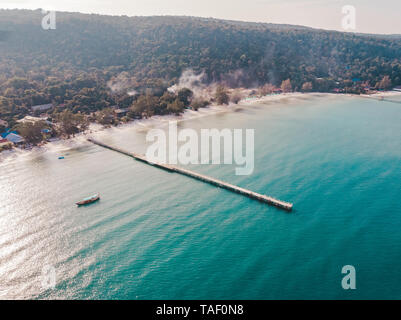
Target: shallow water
(157,235)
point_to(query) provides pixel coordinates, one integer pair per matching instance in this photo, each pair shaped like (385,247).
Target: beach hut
(6,133)
(42,107)
(15,138)
(30,119)
(121,112)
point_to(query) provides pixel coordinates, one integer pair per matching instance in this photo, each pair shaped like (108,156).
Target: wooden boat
(88,200)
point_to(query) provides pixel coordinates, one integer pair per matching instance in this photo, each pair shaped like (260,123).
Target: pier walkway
(221,184)
(380,99)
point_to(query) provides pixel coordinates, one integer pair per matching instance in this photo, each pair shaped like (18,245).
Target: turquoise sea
(157,235)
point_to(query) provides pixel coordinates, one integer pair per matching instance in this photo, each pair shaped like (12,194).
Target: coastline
(382,94)
(80,139)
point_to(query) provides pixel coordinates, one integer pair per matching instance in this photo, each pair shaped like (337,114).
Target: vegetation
(32,132)
(286,86)
(199,103)
(221,95)
(385,83)
(185,96)
(266,89)
(106,117)
(307,87)
(236,97)
(70,123)
(92,63)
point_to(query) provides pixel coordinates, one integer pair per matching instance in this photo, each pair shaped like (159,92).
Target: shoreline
(80,139)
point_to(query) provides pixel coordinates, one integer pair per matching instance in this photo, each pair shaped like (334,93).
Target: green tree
(286,86)
(266,89)
(71,123)
(145,104)
(106,117)
(32,132)
(385,83)
(307,87)
(175,107)
(199,103)
(185,96)
(221,95)
(236,96)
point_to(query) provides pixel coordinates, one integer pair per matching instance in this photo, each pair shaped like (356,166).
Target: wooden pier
(382,99)
(221,184)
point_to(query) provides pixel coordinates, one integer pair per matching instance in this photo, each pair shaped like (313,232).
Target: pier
(197,176)
(382,99)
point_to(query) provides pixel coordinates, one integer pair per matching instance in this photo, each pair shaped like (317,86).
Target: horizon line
(204,17)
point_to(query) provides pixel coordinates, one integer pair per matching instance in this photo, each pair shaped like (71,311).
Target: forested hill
(162,47)
(86,51)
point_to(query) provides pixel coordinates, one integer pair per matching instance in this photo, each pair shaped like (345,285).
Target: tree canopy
(93,62)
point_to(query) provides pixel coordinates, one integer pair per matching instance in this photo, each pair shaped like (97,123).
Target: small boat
(88,200)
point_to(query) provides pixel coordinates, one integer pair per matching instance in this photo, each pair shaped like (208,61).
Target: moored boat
(89,200)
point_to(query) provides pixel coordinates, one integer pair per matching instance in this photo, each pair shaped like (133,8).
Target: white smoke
(120,83)
(234,82)
(195,82)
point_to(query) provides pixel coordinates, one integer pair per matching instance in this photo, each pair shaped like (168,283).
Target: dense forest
(93,62)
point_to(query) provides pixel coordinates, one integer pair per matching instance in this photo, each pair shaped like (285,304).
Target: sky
(371,16)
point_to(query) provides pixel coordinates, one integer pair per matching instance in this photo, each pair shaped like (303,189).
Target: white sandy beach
(63,145)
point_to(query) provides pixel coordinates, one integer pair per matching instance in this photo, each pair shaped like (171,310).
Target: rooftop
(34,119)
(42,107)
(14,138)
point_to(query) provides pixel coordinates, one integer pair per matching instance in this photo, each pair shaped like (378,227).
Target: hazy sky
(372,16)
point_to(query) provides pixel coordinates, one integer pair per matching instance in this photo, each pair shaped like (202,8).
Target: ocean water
(157,235)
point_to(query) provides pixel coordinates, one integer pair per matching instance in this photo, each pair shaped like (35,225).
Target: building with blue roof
(7,132)
(14,138)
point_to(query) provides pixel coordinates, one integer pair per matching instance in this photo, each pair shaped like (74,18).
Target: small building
(34,120)
(5,134)
(42,107)
(15,138)
(121,112)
